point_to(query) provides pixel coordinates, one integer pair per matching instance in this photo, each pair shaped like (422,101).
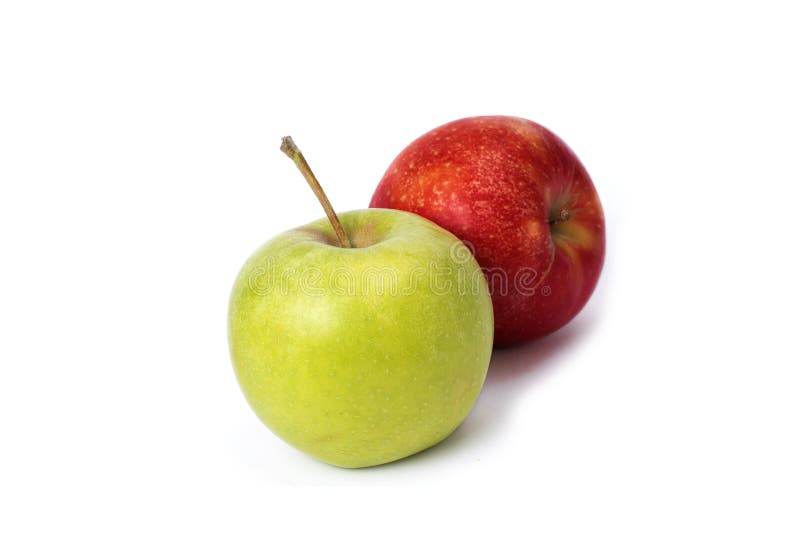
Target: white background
(140,167)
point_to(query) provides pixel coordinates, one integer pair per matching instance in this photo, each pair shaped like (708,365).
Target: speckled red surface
(498,183)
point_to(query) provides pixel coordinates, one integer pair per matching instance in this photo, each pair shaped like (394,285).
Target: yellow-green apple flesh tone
(363,338)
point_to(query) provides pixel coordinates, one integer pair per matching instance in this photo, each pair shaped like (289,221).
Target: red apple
(518,195)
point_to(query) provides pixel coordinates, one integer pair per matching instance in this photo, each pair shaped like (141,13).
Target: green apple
(363,355)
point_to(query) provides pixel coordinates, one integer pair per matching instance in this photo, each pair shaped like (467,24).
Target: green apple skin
(352,375)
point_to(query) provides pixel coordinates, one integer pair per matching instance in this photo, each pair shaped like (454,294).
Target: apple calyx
(563,216)
(289,148)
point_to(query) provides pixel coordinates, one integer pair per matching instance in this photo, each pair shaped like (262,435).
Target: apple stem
(290,149)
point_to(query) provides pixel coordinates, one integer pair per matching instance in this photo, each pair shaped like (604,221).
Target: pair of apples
(365,337)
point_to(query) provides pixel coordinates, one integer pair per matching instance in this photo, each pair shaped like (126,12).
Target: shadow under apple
(511,372)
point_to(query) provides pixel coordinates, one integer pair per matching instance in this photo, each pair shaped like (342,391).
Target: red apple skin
(519,196)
